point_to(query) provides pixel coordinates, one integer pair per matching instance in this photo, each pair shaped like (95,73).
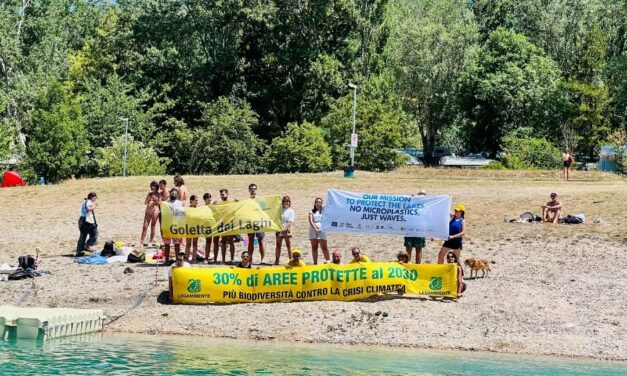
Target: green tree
(104,105)
(378,126)
(140,159)
(589,104)
(428,49)
(512,85)
(300,149)
(530,152)
(56,137)
(225,144)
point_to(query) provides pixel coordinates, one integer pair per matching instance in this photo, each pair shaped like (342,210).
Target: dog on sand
(479,264)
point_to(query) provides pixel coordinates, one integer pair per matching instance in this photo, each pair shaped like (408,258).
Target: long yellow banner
(222,218)
(319,282)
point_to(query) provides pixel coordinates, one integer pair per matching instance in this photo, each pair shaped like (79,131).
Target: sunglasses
(356,254)
(178,259)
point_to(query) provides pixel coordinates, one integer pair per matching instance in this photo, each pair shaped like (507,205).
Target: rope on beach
(138,301)
(27,293)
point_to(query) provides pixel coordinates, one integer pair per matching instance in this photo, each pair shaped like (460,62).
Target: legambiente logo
(436,283)
(193,286)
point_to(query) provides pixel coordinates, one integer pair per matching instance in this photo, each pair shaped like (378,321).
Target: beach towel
(94,259)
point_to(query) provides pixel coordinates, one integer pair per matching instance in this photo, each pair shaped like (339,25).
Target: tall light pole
(353,134)
(125,120)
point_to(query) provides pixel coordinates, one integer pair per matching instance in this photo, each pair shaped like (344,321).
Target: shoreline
(366,346)
(555,290)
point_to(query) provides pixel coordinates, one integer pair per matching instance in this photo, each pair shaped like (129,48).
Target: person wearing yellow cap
(456,228)
(295,261)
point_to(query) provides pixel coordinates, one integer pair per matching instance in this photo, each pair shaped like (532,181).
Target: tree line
(248,86)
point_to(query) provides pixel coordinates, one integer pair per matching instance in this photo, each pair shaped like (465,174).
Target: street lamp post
(353,134)
(125,120)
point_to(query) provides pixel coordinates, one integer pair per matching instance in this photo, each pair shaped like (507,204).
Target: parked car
(411,155)
(474,161)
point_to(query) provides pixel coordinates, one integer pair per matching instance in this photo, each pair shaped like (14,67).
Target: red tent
(12,179)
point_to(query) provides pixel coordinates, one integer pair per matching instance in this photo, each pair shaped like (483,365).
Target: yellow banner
(319,282)
(222,218)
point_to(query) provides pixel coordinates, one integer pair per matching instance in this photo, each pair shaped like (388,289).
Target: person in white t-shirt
(87,225)
(174,203)
(180,263)
(287,220)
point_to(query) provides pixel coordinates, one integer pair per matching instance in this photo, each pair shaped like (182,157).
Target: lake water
(151,355)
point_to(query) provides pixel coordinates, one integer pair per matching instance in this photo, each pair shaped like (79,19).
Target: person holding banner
(180,263)
(317,237)
(461,286)
(358,257)
(337,257)
(415,242)
(246,261)
(208,240)
(295,261)
(193,242)
(230,240)
(456,230)
(174,203)
(287,219)
(252,189)
(179,183)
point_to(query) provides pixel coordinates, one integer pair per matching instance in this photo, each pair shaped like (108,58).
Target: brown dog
(478,264)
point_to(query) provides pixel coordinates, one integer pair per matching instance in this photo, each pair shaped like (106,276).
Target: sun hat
(296,251)
(460,207)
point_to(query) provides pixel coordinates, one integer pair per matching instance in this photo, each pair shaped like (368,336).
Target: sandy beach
(555,289)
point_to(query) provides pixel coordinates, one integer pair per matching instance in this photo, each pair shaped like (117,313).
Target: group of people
(180,197)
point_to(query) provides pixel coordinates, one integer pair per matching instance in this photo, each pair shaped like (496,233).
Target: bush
(140,160)
(301,149)
(226,143)
(56,137)
(530,152)
(494,165)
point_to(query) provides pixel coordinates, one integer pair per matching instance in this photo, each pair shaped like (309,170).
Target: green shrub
(530,152)
(494,165)
(300,149)
(140,160)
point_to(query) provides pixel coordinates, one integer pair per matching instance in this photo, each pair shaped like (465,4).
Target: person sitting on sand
(402,257)
(337,257)
(552,210)
(295,261)
(180,263)
(245,263)
(358,257)
(461,286)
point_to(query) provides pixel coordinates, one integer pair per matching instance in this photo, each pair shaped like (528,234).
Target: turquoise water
(150,355)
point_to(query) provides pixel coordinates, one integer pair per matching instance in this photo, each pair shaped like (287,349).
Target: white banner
(417,216)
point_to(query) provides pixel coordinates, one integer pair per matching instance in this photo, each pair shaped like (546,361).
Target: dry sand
(555,289)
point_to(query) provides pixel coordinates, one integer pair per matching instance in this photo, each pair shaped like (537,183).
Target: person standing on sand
(317,237)
(179,183)
(174,203)
(552,210)
(208,240)
(151,214)
(456,230)
(163,190)
(461,286)
(230,240)
(192,242)
(252,189)
(287,219)
(415,242)
(567,162)
(87,225)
